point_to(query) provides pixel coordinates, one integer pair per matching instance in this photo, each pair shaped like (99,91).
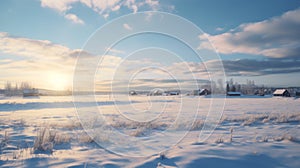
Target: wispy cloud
(277,37)
(127,27)
(74,18)
(219,29)
(102,7)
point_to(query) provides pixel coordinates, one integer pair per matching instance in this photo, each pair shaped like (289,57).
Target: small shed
(234,94)
(203,92)
(132,92)
(173,93)
(156,92)
(281,92)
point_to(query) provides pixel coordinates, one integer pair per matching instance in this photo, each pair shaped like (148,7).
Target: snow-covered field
(252,132)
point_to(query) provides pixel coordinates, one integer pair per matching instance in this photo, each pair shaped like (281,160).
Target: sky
(41,41)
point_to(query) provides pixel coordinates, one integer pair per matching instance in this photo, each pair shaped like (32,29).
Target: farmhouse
(156,92)
(281,92)
(203,92)
(30,92)
(173,92)
(200,92)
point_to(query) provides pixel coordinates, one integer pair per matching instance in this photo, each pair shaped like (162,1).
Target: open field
(252,132)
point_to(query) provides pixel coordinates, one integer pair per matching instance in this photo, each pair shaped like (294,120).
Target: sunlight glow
(58,81)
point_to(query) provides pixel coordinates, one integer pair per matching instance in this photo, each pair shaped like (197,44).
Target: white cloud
(32,48)
(219,29)
(102,7)
(152,3)
(127,27)
(116,8)
(276,37)
(105,16)
(58,5)
(74,18)
(134,8)
(115,51)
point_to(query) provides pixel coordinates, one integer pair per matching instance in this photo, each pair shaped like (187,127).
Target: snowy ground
(253,132)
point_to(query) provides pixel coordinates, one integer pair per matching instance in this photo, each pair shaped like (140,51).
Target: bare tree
(8,89)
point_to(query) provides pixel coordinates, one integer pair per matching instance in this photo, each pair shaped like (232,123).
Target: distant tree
(15,89)
(25,85)
(8,89)
(233,89)
(231,82)
(213,87)
(227,87)
(221,85)
(238,88)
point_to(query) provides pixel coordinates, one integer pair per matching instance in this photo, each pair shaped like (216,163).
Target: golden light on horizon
(58,81)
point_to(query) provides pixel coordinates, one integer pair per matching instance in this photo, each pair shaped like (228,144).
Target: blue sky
(257,40)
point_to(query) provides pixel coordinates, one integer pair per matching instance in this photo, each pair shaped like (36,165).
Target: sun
(58,81)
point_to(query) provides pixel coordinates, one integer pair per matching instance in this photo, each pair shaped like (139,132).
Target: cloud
(74,18)
(32,48)
(113,51)
(277,37)
(58,5)
(134,8)
(249,67)
(39,49)
(127,27)
(34,60)
(219,29)
(62,7)
(152,3)
(102,7)
(78,52)
(116,8)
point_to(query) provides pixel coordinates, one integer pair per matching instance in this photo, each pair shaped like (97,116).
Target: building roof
(202,90)
(279,91)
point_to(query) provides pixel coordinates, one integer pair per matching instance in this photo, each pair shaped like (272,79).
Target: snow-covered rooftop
(279,91)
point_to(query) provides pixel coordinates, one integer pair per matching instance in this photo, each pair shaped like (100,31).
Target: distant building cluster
(231,89)
(236,89)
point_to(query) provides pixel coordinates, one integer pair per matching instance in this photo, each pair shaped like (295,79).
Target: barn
(200,92)
(281,92)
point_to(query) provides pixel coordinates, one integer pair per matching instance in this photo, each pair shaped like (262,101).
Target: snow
(252,132)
